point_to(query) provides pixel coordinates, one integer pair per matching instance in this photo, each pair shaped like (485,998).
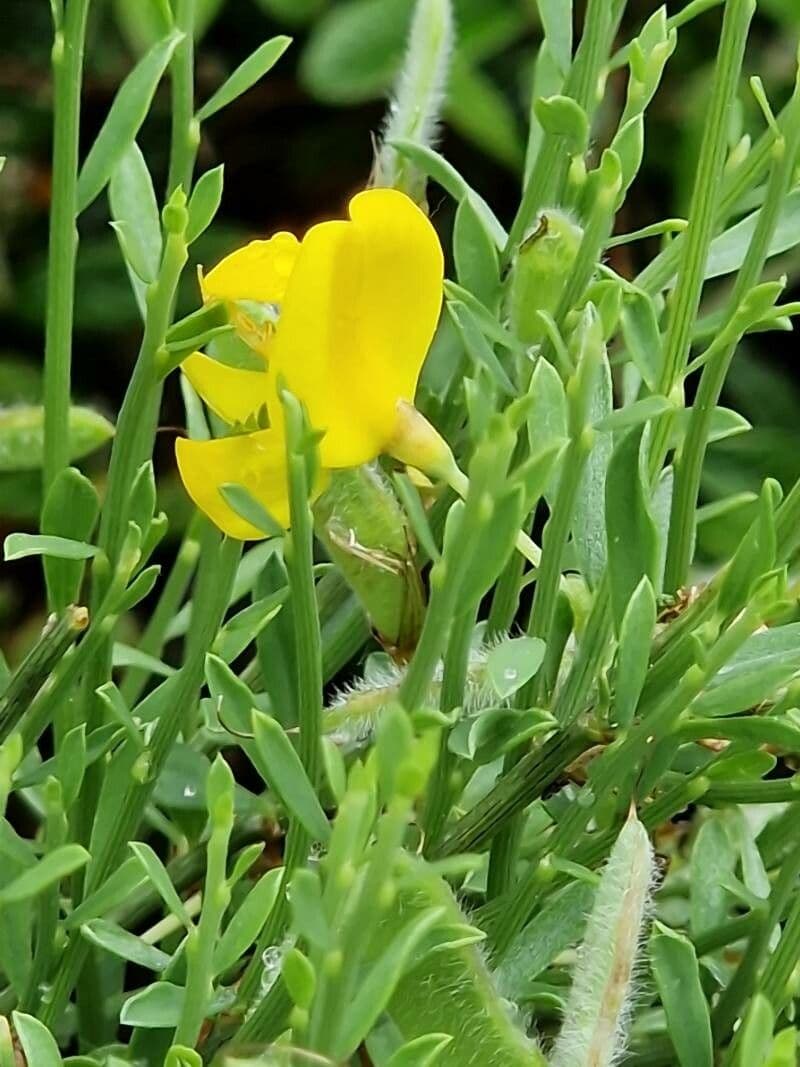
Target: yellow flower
(356,306)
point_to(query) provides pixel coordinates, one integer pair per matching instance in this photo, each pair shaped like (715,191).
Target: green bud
(540,271)
(175,215)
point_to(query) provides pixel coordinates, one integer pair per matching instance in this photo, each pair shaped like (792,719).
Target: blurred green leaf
(245,925)
(22,435)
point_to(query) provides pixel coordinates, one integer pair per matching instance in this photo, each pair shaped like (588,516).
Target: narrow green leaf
(305,897)
(157,873)
(245,504)
(133,204)
(204,202)
(475,253)
(421,1052)
(379,983)
(635,638)
(677,975)
(51,868)
(635,414)
(126,114)
(245,76)
(20,545)
(281,768)
(632,537)
(246,924)
(127,946)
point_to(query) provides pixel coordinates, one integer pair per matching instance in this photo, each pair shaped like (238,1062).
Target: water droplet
(189,791)
(510,674)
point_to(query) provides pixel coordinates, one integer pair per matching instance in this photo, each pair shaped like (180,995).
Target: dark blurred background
(295,147)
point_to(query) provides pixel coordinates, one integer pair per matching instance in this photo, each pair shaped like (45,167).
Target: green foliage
(573,646)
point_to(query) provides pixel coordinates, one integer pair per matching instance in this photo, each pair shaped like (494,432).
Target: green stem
(546,182)
(67,59)
(299,557)
(689,463)
(440,787)
(185,131)
(702,211)
(731,1002)
(169,603)
(214,582)
(56,639)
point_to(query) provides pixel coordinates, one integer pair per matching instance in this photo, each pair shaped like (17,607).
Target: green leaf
(677,975)
(22,435)
(475,253)
(512,663)
(477,108)
(70,510)
(713,859)
(554,929)
(355,49)
(757,1031)
(556,16)
(158,875)
(421,1052)
(157,1007)
(8,1055)
(204,202)
(727,251)
(591,517)
(635,638)
(783,1052)
(128,656)
(499,730)
(282,770)
(246,924)
(127,946)
(179,1056)
(375,991)
(640,411)
(126,114)
(125,880)
(446,175)
(632,537)
(245,76)
(50,869)
(233,699)
(245,504)
(561,116)
(20,545)
(37,1042)
(547,420)
(299,977)
(308,911)
(478,347)
(765,662)
(71,760)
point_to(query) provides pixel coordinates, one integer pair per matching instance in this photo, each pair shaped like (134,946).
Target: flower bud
(540,271)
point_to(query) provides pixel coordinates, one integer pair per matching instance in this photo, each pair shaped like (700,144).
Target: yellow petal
(256,461)
(231,393)
(260,271)
(358,316)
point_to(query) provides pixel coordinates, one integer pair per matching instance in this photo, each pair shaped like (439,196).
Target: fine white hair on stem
(418,95)
(596,1019)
